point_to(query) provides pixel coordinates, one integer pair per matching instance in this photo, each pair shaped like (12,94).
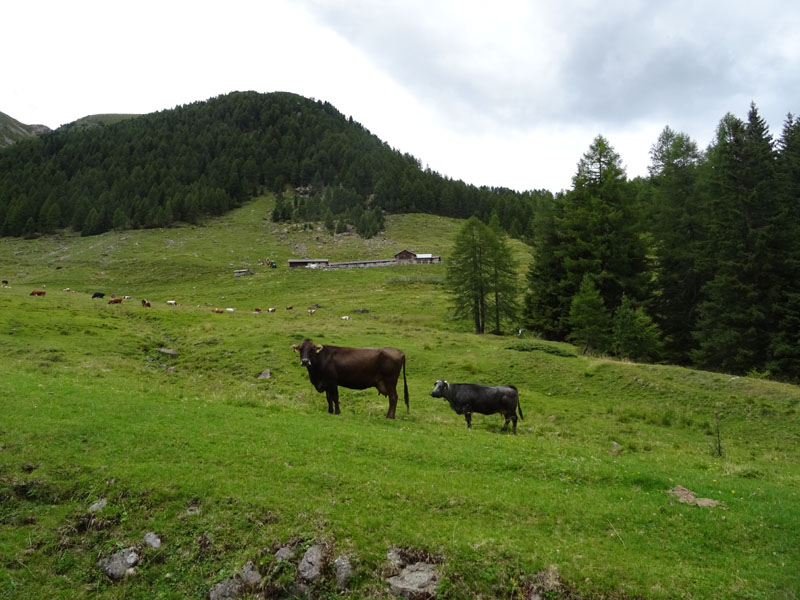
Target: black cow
(356,368)
(97,295)
(467,398)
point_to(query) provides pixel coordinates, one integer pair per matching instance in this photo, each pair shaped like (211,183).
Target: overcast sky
(501,93)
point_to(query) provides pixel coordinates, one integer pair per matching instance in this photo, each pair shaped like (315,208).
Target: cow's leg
(392,404)
(514,421)
(468,417)
(505,427)
(332,394)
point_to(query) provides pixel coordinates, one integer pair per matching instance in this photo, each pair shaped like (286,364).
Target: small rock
(310,568)
(225,590)
(232,588)
(119,565)
(419,580)
(168,351)
(284,554)
(265,374)
(152,540)
(344,571)
(250,574)
(99,505)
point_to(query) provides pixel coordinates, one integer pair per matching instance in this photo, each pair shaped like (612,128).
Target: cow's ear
(294,347)
(318,348)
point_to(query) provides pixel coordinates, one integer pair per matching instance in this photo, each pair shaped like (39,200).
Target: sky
(503,93)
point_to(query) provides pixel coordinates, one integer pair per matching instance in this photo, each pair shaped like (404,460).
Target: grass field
(226,468)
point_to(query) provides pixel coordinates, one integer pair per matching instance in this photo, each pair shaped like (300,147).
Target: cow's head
(307,351)
(439,389)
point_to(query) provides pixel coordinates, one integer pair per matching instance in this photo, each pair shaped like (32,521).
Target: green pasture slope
(225,467)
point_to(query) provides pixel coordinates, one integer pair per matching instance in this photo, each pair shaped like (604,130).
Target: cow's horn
(318,348)
(294,347)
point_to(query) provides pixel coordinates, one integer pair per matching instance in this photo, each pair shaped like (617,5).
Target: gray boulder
(312,564)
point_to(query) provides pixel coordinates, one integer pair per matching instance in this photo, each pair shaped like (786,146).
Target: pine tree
(467,279)
(503,281)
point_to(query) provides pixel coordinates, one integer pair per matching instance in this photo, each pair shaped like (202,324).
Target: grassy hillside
(12,131)
(225,467)
(101,120)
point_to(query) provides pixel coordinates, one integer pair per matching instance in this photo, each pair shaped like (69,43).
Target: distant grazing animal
(115,301)
(146,303)
(37,293)
(311,311)
(345,318)
(230,309)
(289,307)
(98,295)
(217,310)
(271,310)
(5,281)
(256,309)
(356,368)
(172,303)
(467,398)
(127,298)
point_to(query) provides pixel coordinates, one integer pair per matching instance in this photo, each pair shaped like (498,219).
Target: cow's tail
(519,406)
(405,384)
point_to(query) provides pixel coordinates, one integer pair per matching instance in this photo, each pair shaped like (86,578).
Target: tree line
(696,264)
(205,158)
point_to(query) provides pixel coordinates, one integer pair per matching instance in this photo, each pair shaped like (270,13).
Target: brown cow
(217,310)
(256,309)
(311,311)
(37,293)
(356,368)
(115,301)
(289,307)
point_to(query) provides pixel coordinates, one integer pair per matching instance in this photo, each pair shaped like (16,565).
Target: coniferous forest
(696,264)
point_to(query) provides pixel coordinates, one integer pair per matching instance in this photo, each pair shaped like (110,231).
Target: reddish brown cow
(217,310)
(37,293)
(356,368)
(115,301)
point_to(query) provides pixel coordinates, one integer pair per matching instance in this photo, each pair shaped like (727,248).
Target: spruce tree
(737,317)
(635,335)
(594,230)
(589,321)
(784,350)
(677,225)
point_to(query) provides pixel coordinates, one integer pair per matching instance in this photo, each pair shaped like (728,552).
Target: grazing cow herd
(330,367)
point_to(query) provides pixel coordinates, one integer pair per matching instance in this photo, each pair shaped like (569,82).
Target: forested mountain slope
(207,157)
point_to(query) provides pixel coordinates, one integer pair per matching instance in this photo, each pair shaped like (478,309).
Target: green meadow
(160,411)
